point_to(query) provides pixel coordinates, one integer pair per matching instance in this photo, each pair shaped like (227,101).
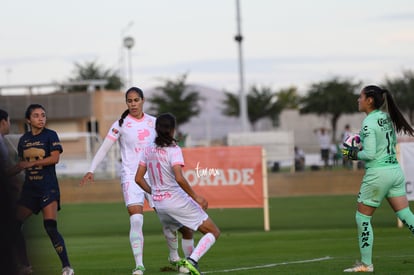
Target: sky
(286,43)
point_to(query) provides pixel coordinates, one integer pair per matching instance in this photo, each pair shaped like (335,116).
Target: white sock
(203,246)
(187,246)
(171,237)
(136,238)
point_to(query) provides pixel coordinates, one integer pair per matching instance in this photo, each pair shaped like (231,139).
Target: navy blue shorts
(36,200)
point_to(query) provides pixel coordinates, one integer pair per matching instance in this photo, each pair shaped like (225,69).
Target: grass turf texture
(309,235)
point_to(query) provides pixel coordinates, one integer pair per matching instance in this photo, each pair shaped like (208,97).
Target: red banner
(228,177)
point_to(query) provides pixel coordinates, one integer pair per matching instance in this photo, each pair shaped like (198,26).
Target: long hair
(126,112)
(30,109)
(383,99)
(165,126)
(3,115)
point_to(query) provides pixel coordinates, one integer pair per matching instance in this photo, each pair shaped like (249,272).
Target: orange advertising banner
(228,177)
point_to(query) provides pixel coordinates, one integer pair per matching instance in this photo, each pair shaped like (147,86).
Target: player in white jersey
(134,131)
(176,202)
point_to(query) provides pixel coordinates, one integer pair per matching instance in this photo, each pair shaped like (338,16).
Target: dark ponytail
(165,126)
(123,116)
(383,96)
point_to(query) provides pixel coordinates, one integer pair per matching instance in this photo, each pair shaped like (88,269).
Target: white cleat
(67,270)
(360,267)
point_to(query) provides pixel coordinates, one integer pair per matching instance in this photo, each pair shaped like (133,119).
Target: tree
(92,70)
(288,98)
(178,98)
(402,89)
(261,102)
(333,97)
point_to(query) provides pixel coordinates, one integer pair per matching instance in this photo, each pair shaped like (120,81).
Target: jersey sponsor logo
(114,131)
(143,134)
(384,124)
(365,235)
(161,196)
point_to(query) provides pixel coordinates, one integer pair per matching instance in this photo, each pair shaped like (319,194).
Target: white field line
(270,265)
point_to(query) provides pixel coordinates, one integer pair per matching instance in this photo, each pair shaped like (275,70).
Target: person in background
(176,202)
(299,159)
(7,203)
(324,144)
(39,151)
(347,163)
(384,178)
(9,169)
(134,131)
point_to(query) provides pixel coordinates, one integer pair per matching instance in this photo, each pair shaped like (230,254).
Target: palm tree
(333,97)
(178,98)
(92,70)
(402,88)
(261,102)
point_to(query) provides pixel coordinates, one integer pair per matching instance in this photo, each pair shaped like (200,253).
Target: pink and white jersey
(159,162)
(133,137)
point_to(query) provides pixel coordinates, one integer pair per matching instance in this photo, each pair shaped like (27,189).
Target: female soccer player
(39,151)
(134,131)
(383,176)
(176,203)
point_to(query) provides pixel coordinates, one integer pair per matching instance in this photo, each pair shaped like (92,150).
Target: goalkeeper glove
(351,152)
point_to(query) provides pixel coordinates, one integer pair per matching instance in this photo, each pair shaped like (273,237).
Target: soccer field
(309,235)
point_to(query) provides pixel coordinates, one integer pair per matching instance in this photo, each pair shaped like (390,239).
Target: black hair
(32,107)
(383,96)
(3,115)
(164,126)
(126,112)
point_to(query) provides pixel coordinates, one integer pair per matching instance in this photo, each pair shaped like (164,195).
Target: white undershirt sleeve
(100,155)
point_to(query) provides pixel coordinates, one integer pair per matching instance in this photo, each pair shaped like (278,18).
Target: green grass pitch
(309,235)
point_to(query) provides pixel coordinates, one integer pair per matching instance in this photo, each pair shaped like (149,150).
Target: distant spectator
(347,163)
(324,144)
(299,159)
(336,153)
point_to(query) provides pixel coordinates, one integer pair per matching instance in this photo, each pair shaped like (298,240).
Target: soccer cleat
(179,265)
(139,270)
(360,267)
(26,270)
(192,266)
(67,270)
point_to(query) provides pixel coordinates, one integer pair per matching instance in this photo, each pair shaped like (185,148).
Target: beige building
(72,115)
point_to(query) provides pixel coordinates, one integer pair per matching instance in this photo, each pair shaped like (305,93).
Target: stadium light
(242,97)
(129,43)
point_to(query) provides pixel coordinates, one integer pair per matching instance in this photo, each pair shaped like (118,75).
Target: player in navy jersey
(39,151)
(384,178)
(176,202)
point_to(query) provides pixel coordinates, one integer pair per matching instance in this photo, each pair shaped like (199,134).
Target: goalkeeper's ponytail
(383,98)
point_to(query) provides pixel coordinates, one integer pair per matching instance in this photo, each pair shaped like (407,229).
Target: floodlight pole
(122,63)
(129,43)
(242,96)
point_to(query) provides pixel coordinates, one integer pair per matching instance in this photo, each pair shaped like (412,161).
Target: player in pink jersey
(134,131)
(176,202)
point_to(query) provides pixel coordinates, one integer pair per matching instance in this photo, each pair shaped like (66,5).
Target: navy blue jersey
(31,148)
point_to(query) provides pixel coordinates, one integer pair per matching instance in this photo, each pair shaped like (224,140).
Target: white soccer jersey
(159,162)
(133,136)
(174,206)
